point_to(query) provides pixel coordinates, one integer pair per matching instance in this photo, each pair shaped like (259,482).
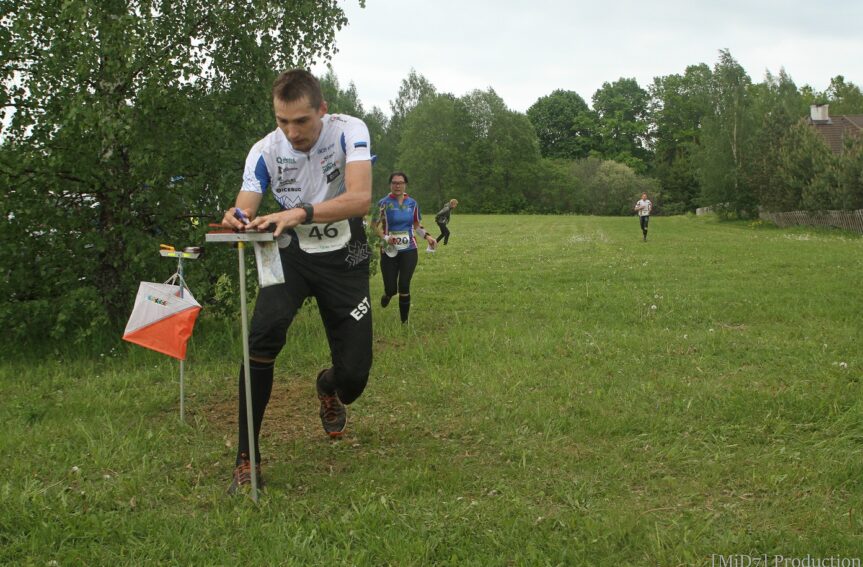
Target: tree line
(705,137)
(126,124)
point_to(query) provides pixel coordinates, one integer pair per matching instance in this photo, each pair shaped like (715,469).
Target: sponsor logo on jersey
(289,202)
(280,189)
(328,164)
(326,149)
(282,160)
(334,174)
(357,253)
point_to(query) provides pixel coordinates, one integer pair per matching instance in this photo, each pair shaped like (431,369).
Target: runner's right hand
(231,220)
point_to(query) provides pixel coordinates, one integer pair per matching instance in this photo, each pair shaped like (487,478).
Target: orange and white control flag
(162,319)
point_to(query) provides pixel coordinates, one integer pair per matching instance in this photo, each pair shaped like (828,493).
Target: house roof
(835,130)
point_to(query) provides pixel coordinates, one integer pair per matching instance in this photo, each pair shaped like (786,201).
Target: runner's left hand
(282,221)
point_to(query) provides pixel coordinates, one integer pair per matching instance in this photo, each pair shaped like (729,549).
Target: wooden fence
(847,220)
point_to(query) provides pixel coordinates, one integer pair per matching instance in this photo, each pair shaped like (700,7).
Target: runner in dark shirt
(442,220)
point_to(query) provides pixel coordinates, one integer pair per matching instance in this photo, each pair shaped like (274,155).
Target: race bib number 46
(316,238)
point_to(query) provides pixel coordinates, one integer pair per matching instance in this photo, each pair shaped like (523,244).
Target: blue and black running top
(398,220)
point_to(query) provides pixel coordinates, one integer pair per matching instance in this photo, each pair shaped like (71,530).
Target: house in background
(834,129)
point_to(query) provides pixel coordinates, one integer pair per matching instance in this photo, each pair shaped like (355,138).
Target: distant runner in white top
(643,208)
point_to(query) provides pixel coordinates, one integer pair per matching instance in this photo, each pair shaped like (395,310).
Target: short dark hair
(401,173)
(294,84)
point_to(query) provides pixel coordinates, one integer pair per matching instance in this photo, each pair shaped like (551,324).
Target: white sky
(525,50)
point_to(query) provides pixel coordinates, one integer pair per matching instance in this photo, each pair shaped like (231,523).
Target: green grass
(565,394)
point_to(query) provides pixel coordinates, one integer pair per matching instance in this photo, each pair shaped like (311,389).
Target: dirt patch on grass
(291,414)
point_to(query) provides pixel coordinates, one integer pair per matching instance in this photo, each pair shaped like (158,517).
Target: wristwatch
(310,213)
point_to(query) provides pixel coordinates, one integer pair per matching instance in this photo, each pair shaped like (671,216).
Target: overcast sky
(526,49)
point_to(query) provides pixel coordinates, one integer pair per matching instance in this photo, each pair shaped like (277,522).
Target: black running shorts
(339,282)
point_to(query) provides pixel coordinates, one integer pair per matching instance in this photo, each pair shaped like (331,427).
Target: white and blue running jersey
(298,177)
(643,206)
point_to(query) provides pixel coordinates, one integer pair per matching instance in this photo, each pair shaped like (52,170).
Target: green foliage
(850,174)
(564,125)
(382,147)
(817,179)
(608,187)
(374,243)
(722,141)
(130,125)
(843,97)
(474,149)
(805,166)
(413,89)
(679,104)
(776,107)
(745,151)
(622,125)
(726,140)
(340,101)
(504,157)
(433,149)
(555,188)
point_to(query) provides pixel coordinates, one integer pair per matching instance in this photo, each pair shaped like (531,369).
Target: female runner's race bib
(403,239)
(316,238)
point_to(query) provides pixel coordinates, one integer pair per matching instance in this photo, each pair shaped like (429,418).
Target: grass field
(565,394)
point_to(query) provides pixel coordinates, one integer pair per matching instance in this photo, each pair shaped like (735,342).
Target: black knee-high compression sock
(326,383)
(262,387)
(404,307)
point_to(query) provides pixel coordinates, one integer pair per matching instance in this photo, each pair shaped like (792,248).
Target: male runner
(318,168)
(643,208)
